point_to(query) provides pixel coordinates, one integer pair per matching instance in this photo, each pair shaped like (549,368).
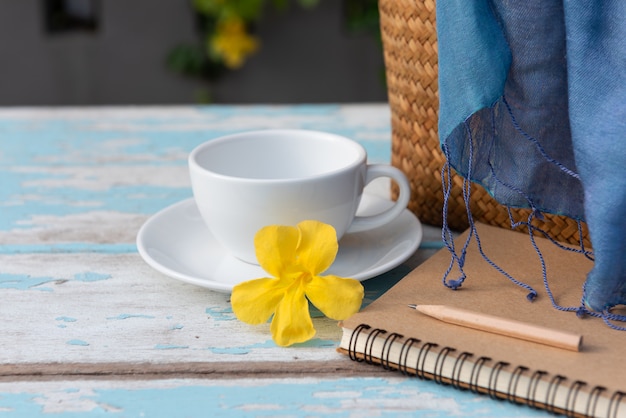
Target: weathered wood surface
(87,326)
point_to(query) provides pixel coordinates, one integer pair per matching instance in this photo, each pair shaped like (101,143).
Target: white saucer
(176,242)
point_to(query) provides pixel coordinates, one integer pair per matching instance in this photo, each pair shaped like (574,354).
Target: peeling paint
(124,316)
(77,342)
(170,347)
(25,282)
(66,319)
(315,342)
(28,282)
(221,314)
(90,276)
(75,247)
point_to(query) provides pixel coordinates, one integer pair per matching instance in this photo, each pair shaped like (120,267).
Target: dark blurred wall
(306,56)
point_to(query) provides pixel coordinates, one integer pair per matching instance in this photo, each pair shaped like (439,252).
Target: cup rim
(194,165)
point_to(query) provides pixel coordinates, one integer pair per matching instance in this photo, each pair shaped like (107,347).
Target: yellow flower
(232,43)
(295,256)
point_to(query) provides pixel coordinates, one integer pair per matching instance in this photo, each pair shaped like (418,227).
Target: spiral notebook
(591,382)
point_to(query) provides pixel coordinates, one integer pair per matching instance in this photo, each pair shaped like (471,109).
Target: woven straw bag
(410,51)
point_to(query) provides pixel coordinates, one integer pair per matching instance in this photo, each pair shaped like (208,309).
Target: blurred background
(106,52)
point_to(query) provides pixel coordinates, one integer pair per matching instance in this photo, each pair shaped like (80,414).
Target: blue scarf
(533,108)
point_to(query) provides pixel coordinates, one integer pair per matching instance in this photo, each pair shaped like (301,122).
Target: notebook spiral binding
(383,356)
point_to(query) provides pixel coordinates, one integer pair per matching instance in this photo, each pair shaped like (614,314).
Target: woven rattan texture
(410,51)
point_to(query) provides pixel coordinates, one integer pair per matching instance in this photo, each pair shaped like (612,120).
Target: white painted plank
(77,308)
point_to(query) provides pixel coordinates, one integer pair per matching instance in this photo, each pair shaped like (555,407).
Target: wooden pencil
(502,326)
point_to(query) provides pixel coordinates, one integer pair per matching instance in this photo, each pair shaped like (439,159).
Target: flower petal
(338,298)
(275,247)
(254,301)
(318,246)
(292,322)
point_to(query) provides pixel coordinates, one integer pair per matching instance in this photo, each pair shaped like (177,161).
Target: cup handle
(364,223)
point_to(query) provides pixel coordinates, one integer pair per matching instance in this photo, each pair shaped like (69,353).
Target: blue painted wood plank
(337,397)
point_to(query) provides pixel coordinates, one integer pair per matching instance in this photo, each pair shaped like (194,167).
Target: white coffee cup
(246,181)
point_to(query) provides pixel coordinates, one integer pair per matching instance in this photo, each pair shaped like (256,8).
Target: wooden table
(89,327)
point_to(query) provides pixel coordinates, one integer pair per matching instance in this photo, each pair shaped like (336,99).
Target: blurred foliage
(227,31)
(227,36)
(362,16)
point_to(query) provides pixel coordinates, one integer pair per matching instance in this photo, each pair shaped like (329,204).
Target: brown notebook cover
(591,382)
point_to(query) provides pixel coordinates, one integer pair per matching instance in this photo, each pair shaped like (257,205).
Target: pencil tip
(412,306)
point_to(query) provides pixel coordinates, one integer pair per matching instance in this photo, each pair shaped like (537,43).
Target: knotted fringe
(458,257)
